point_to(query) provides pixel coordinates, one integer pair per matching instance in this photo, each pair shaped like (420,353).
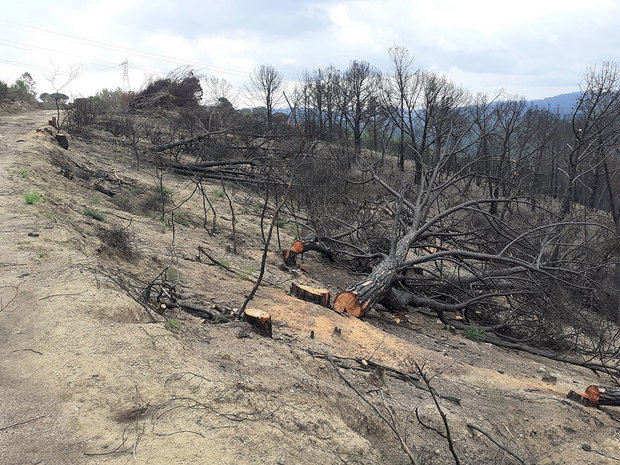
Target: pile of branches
(180,89)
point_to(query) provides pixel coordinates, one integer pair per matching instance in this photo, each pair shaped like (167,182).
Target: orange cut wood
(260,321)
(603,395)
(348,302)
(297,247)
(310,294)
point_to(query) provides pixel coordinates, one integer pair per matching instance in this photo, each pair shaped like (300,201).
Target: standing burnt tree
(266,87)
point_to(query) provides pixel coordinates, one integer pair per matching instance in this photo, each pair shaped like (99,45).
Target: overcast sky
(535,48)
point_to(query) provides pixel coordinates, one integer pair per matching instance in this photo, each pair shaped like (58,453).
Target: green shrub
(172,274)
(173,325)
(4,90)
(94,214)
(182,219)
(474,333)
(32,198)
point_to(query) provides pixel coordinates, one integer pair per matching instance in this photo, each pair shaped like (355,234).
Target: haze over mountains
(563,103)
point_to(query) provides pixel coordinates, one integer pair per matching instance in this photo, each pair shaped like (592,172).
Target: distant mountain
(563,103)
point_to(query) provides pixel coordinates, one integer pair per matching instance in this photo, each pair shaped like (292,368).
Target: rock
(33,234)
(550,379)
(586,447)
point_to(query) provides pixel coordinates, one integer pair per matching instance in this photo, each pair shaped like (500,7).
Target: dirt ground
(86,376)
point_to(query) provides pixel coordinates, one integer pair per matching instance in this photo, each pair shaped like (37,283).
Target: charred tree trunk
(601,395)
(301,247)
(597,395)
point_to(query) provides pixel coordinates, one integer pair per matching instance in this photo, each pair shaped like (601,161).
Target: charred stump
(62,141)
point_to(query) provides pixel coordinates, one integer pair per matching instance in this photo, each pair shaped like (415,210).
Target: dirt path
(86,377)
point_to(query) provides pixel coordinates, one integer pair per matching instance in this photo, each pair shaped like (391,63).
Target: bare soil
(87,376)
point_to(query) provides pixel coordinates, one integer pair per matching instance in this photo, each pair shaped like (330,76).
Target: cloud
(535,47)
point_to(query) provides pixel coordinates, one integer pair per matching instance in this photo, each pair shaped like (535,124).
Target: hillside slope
(89,376)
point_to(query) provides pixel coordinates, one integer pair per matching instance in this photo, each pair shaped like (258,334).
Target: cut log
(310,294)
(602,395)
(260,321)
(358,299)
(597,395)
(572,395)
(103,190)
(299,247)
(347,302)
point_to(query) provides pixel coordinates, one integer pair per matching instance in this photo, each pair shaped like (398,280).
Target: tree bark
(260,321)
(358,299)
(310,294)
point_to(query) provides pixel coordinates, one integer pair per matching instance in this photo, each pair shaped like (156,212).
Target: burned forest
(354,212)
(486,212)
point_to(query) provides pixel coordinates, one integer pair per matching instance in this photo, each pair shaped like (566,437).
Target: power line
(30,65)
(25,46)
(112,47)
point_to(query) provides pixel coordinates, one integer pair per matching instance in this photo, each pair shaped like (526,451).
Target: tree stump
(62,141)
(310,294)
(260,321)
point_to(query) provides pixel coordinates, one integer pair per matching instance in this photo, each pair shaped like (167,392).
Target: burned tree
(266,86)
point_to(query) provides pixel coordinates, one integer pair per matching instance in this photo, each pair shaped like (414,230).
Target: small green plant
(172,274)
(42,255)
(94,214)
(23,173)
(32,198)
(247,272)
(173,325)
(218,193)
(182,219)
(474,333)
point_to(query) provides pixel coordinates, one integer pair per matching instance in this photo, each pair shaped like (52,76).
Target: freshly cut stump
(260,321)
(310,294)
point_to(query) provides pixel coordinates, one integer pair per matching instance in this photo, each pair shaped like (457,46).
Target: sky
(533,48)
